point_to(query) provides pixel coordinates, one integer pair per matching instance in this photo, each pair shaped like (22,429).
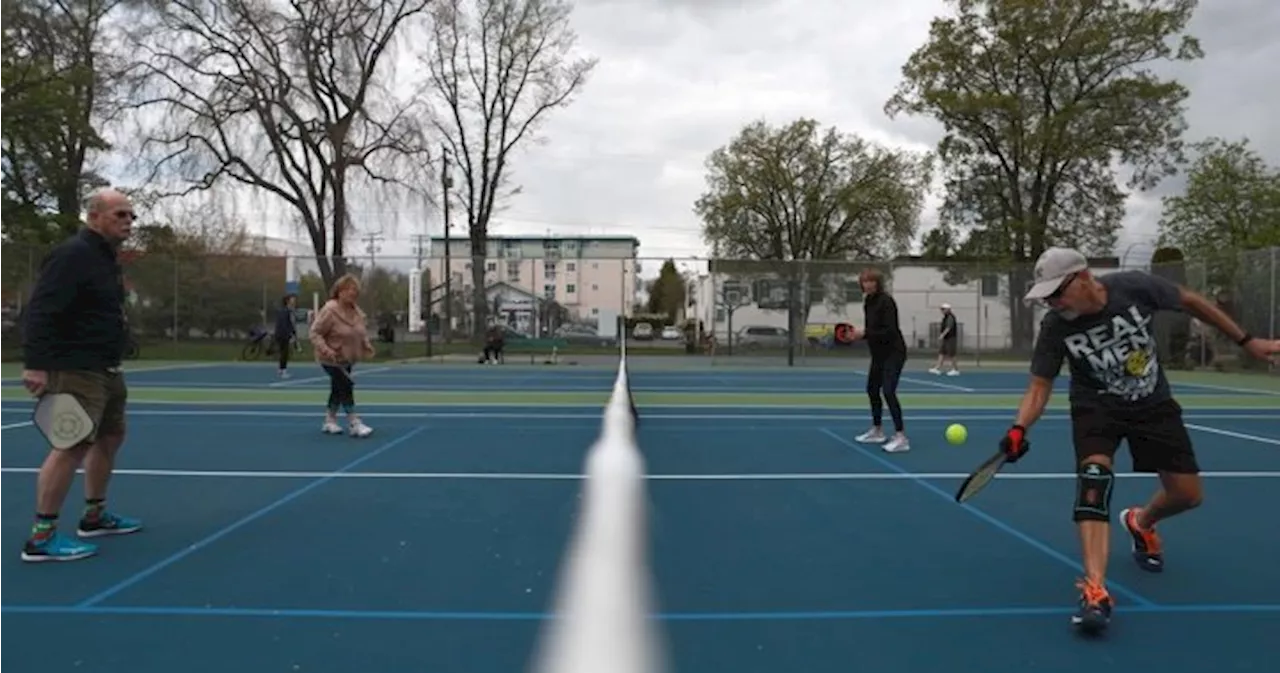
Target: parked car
(760,336)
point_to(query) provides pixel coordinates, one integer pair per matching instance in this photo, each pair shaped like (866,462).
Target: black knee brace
(1093,494)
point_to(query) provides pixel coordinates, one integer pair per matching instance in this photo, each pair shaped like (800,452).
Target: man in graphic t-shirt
(1102,327)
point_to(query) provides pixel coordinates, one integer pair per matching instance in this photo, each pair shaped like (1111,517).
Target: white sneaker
(935,370)
(898,444)
(872,436)
(953,372)
(331,428)
(359,429)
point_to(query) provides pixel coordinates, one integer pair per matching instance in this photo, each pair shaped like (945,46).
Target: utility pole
(446,187)
(371,246)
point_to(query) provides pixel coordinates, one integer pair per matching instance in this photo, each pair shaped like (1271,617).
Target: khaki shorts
(102,394)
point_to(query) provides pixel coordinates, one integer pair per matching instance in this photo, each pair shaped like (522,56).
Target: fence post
(1275,259)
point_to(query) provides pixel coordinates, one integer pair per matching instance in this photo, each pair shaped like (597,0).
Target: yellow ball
(956,433)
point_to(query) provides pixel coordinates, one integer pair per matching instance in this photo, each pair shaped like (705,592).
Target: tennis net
(604,599)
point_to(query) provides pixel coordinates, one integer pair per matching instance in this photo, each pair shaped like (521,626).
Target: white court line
(594,416)
(569,476)
(945,386)
(11,426)
(1239,435)
(924,382)
(165,368)
(313,379)
(1227,389)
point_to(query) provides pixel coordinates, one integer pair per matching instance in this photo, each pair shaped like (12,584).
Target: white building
(980,303)
(586,275)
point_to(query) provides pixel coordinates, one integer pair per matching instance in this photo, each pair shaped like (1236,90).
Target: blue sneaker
(108,523)
(57,547)
(1094,612)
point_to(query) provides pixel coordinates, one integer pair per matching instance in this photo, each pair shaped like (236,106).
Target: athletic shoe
(872,436)
(898,444)
(56,547)
(359,429)
(108,524)
(1148,552)
(331,428)
(1094,613)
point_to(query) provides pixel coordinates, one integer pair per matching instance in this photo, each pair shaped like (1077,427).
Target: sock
(93,508)
(44,526)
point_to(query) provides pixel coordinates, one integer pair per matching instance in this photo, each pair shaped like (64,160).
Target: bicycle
(263,343)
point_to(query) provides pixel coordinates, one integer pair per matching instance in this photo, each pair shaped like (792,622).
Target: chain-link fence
(719,311)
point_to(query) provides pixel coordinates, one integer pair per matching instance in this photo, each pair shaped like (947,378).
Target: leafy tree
(786,196)
(294,100)
(208,280)
(1231,203)
(667,292)
(1039,102)
(498,68)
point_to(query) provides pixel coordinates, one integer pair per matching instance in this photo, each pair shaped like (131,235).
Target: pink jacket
(338,334)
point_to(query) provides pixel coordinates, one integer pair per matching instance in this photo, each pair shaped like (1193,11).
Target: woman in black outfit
(888,356)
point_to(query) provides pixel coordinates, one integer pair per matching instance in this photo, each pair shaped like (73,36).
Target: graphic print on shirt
(1119,353)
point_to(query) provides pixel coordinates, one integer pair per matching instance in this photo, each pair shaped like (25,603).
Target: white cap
(1053,267)
(945,307)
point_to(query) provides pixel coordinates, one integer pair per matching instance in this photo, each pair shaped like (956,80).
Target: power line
(371,246)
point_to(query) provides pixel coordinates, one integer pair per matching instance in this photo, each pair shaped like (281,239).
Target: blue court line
(250,518)
(950,498)
(442,615)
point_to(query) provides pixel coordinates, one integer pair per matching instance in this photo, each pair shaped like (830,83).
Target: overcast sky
(678,78)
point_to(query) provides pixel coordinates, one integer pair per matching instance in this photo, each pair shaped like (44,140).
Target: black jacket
(883,334)
(74,318)
(285,328)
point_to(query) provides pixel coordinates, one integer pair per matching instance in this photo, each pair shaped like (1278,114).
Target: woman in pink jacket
(340,340)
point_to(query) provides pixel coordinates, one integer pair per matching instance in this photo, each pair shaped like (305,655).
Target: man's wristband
(1244,339)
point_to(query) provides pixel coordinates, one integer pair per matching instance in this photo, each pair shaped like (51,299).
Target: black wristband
(1244,339)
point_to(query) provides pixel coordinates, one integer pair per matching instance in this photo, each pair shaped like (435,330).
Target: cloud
(678,78)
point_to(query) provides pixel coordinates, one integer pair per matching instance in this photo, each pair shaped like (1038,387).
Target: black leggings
(283,344)
(342,389)
(882,379)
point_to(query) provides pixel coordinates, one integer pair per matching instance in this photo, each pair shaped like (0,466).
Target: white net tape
(604,598)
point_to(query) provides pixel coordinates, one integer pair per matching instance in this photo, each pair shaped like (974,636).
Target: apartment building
(589,276)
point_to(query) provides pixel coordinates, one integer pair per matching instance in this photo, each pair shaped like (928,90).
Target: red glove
(1015,444)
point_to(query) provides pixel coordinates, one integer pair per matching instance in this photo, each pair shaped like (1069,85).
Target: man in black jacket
(73,341)
(888,349)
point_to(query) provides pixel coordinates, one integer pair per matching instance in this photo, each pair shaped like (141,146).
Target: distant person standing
(73,341)
(286,331)
(949,336)
(888,349)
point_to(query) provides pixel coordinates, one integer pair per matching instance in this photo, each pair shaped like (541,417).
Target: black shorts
(948,349)
(1158,439)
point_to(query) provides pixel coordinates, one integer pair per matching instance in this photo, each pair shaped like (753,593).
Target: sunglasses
(1056,295)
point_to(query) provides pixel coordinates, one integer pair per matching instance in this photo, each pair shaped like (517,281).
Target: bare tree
(498,67)
(294,98)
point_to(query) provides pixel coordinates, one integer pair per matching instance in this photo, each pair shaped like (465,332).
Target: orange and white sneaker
(1148,551)
(1094,613)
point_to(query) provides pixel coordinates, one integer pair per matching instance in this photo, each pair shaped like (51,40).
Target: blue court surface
(778,544)
(839,378)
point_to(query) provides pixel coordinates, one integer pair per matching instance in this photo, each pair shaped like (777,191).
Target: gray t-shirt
(1112,353)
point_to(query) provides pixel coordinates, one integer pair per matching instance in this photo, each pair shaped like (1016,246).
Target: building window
(549,291)
(571,288)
